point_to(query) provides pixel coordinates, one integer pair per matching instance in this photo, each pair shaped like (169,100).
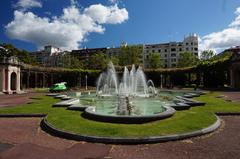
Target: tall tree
(8,50)
(187,59)
(155,60)
(98,61)
(206,55)
(130,55)
(68,61)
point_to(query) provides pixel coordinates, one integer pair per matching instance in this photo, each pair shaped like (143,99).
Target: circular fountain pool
(115,109)
(133,99)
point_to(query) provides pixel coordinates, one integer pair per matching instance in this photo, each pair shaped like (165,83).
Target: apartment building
(170,52)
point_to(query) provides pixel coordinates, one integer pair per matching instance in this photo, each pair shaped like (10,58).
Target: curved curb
(90,114)
(227,113)
(22,115)
(118,140)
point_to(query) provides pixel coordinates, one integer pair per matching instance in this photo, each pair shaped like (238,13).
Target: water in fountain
(107,83)
(133,82)
(151,87)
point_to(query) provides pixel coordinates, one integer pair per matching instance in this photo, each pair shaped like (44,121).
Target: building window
(166,66)
(186,43)
(173,49)
(196,49)
(147,57)
(153,51)
(180,49)
(187,49)
(165,55)
(196,54)
(159,50)
(173,65)
(191,43)
(173,55)
(166,61)
(165,50)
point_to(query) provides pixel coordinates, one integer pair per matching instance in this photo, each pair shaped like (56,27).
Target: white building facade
(170,52)
(50,56)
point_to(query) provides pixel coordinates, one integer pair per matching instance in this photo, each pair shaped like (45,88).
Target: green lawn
(182,121)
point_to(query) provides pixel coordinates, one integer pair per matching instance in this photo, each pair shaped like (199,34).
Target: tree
(114,59)
(8,50)
(130,55)
(68,61)
(98,61)
(187,59)
(155,60)
(206,55)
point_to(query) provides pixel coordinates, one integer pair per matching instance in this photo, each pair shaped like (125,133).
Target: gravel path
(29,141)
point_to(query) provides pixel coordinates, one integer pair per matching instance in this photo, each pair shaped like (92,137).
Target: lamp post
(161,81)
(86,81)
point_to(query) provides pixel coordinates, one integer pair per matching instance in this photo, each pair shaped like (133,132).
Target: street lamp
(86,81)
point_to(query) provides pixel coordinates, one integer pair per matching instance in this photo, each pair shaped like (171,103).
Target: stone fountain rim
(90,114)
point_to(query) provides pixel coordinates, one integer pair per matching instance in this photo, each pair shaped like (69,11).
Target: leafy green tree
(155,60)
(187,59)
(8,50)
(206,55)
(98,61)
(68,61)
(114,59)
(130,55)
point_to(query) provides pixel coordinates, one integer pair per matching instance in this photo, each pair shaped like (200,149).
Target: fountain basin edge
(90,114)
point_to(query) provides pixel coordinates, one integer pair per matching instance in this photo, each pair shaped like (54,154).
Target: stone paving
(29,141)
(233,96)
(15,99)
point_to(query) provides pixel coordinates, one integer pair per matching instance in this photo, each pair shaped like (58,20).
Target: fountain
(133,99)
(133,83)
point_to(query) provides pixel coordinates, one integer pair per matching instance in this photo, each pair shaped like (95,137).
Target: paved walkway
(15,99)
(233,96)
(29,141)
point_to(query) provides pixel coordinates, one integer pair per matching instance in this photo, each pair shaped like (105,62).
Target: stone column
(2,80)
(43,80)
(232,78)
(28,78)
(18,80)
(9,91)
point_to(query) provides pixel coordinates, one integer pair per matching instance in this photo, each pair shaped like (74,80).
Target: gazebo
(10,75)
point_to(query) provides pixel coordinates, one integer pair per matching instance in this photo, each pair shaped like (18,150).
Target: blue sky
(30,24)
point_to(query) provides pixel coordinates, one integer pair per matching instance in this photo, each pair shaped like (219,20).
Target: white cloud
(27,4)
(103,14)
(67,31)
(228,37)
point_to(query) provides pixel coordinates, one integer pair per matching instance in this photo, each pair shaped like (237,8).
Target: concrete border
(89,113)
(23,115)
(121,140)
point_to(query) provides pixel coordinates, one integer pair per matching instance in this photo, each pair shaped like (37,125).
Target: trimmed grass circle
(181,122)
